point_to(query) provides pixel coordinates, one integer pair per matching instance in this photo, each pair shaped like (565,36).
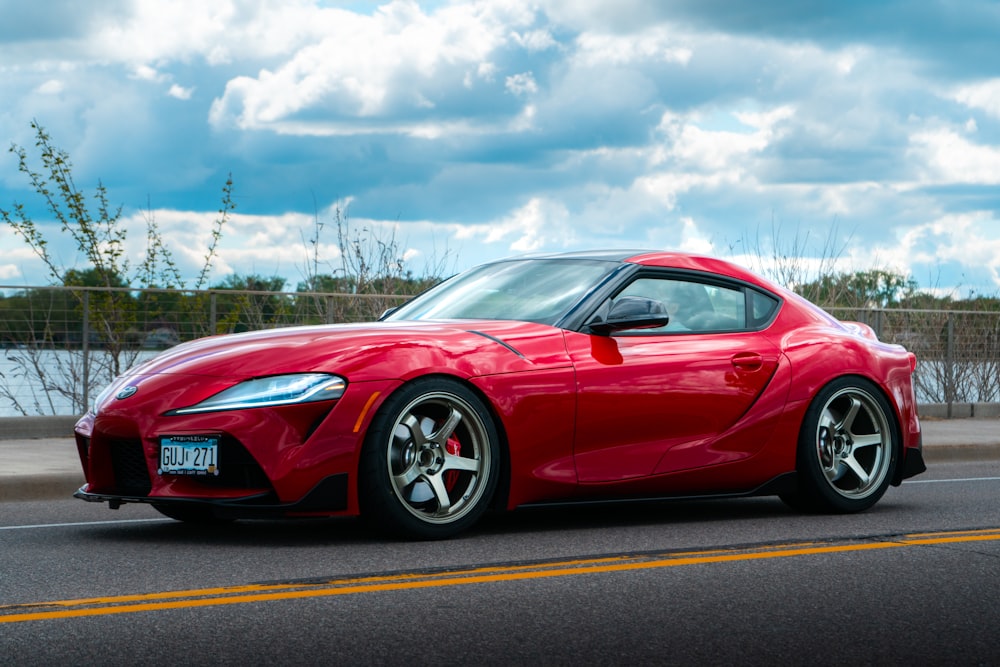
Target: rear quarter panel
(819,353)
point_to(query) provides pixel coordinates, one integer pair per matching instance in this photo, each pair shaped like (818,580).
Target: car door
(655,400)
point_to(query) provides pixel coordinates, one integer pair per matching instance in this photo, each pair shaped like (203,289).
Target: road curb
(961,454)
(17,428)
(42,486)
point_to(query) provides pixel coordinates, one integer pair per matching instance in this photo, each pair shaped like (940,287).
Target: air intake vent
(237,469)
(129,464)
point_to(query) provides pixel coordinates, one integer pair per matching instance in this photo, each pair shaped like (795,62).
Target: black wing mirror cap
(631,312)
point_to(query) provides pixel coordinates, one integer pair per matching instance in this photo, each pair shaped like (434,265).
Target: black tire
(848,448)
(199,514)
(431,461)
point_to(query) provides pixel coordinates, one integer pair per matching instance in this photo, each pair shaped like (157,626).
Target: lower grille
(129,465)
(237,469)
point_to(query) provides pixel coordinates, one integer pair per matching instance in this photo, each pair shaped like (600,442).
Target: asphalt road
(916,579)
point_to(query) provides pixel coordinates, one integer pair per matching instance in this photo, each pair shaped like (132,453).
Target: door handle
(748,361)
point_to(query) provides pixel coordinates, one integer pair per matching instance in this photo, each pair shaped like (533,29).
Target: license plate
(189,455)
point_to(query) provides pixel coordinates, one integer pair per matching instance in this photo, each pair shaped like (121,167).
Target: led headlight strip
(272,391)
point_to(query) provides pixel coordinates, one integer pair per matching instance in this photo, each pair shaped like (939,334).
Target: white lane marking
(943,481)
(84,523)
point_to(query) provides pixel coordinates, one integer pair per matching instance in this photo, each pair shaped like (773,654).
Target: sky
(853,135)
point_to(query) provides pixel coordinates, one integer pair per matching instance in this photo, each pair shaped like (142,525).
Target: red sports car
(582,376)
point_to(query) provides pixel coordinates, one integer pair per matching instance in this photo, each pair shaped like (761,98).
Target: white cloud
(9,272)
(264,244)
(984,95)
(693,240)
(180,92)
(486,71)
(710,151)
(540,116)
(154,31)
(691,147)
(539,223)
(965,238)
(371,66)
(521,84)
(535,40)
(51,87)
(666,187)
(147,73)
(944,156)
(656,44)
(765,120)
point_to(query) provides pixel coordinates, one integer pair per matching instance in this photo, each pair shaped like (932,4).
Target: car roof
(602,255)
(662,258)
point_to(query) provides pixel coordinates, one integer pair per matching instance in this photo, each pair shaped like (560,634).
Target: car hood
(372,351)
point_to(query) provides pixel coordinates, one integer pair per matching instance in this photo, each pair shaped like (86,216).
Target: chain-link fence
(958,351)
(61,344)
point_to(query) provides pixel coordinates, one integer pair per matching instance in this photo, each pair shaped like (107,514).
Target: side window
(693,306)
(762,307)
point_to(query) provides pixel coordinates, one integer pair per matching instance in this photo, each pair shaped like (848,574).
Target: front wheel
(430,462)
(847,449)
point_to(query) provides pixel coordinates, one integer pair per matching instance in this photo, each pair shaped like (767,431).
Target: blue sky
(853,134)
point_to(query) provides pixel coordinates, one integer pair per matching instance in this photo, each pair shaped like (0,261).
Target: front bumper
(912,463)
(327,497)
(271,461)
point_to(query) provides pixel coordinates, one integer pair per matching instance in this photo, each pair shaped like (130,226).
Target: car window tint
(729,311)
(692,306)
(763,306)
(533,290)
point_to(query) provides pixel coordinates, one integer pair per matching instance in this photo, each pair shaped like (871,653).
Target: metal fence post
(949,364)
(85,332)
(212,316)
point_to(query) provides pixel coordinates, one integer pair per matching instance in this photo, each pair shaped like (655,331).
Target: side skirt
(783,483)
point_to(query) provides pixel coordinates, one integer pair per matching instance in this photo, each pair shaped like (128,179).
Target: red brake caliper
(451,476)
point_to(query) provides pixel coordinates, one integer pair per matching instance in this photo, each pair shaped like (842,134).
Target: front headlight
(271,391)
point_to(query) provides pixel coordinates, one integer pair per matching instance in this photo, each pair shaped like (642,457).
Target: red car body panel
(294,451)
(659,404)
(580,415)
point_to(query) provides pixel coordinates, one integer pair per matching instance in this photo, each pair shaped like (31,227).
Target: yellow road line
(207,597)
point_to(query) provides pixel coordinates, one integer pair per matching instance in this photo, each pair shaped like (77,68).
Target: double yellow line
(210,597)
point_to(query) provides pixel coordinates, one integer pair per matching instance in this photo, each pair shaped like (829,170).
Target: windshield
(531,290)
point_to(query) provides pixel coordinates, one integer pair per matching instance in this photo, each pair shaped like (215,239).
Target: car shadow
(354,531)
(598,515)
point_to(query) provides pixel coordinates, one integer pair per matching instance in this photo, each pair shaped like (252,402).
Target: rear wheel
(847,449)
(430,462)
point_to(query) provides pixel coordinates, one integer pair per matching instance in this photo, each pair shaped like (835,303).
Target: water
(50,382)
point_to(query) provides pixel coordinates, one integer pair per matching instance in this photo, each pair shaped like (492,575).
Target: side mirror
(631,312)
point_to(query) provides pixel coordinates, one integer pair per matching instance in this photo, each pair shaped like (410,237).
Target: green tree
(370,264)
(256,303)
(100,235)
(874,288)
